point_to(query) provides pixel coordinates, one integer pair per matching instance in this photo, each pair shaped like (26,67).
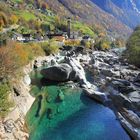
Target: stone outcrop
(96,95)
(120,83)
(60,73)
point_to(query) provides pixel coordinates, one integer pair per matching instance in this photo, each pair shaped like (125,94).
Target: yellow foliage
(50,47)
(105,46)
(102,34)
(72,42)
(21,54)
(14,19)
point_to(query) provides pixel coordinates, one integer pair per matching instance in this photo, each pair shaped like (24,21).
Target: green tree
(132,52)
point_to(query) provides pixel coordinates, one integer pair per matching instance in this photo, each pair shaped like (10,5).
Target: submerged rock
(50,114)
(60,95)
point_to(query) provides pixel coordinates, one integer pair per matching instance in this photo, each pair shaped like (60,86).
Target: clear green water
(64,113)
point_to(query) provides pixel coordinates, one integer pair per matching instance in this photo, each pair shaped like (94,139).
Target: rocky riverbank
(114,83)
(13,127)
(118,88)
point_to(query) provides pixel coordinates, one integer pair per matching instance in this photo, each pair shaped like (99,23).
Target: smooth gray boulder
(131,117)
(107,72)
(58,73)
(134,97)
(119,101)
(122,86)
(135,133)
(96,95)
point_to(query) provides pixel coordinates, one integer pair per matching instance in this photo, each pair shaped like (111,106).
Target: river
(61,111)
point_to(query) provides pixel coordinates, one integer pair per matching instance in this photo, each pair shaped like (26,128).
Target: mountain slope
(127,11)
(88,12)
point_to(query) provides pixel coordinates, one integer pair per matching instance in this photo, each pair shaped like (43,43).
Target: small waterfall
(80,72)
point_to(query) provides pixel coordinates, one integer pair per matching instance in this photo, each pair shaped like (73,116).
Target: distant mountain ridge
(127,11)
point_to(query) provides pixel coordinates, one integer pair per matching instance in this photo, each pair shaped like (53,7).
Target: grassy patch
(17,1)
(84,29)
(26,15)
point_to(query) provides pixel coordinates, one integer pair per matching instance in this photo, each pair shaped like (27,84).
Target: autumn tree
(44,6)
(102,44)
(14,19)
(7,63)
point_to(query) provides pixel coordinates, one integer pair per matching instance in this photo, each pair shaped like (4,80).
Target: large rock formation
(59,72)
(119,85)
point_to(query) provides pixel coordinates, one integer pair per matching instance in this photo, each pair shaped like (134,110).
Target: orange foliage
(44,6)
(21,54)
(7,63)
(14,19)
(15,55)
(72,42)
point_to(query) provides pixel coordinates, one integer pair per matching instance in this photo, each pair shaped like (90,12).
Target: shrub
(50,47)
(72,42)
(14,19)
(45,27)
(5,103)
(87,44)
(102,44)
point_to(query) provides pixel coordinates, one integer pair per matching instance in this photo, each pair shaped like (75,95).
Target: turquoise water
(61,112)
